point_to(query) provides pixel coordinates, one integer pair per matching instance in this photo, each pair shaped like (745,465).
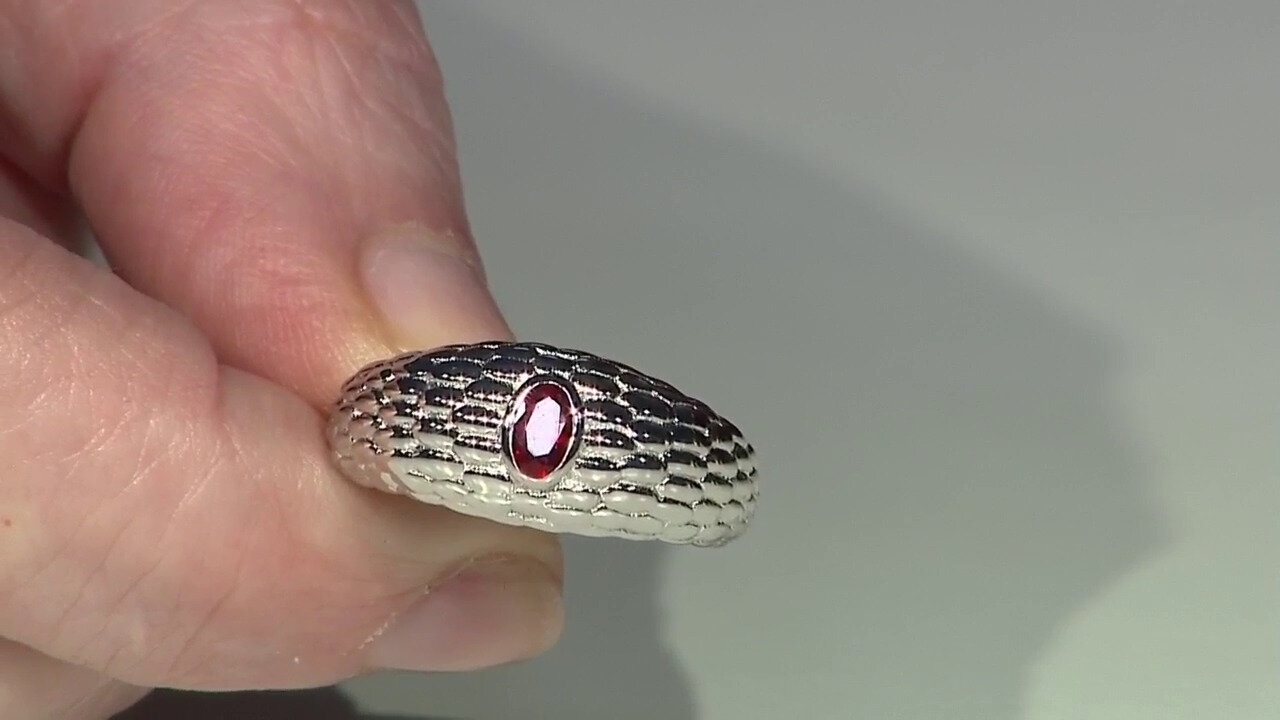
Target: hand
(274,185)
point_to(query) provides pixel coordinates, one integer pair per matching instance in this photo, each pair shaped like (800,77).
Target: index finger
(281,172)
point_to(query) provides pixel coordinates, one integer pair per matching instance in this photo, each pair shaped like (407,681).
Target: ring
(560,440)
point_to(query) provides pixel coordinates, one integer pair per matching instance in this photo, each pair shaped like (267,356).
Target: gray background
(991,285)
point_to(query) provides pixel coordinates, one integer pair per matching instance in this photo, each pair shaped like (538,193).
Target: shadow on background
(945,480)
(317,704)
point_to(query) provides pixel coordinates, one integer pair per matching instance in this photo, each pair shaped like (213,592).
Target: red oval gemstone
(542,430)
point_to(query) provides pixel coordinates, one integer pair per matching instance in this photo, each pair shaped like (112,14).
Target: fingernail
(491,612)
(429,288)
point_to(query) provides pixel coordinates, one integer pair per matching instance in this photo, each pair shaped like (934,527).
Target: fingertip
(489,612)
(428,288)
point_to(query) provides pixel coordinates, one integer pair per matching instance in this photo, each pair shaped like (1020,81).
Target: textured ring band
(560,440)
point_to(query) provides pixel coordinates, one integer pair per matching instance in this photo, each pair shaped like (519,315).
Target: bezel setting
(516,411)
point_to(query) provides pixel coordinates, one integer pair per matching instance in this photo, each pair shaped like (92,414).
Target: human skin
(275,187)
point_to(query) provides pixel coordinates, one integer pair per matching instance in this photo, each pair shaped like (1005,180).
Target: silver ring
(560,440)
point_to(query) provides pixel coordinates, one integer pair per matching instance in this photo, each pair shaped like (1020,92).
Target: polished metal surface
(645,461)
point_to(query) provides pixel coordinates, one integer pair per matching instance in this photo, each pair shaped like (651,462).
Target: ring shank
(652,463)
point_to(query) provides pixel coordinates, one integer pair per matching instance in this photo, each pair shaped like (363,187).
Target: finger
(243,161)
(170,521)
(34,686)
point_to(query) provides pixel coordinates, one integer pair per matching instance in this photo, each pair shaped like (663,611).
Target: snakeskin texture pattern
(645,462)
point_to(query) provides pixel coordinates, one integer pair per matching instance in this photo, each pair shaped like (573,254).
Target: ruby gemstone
(543,429)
